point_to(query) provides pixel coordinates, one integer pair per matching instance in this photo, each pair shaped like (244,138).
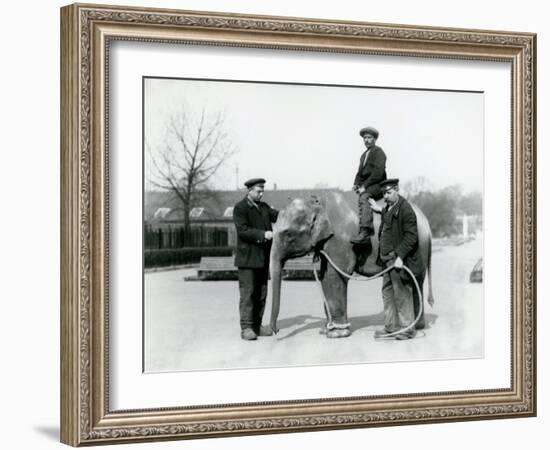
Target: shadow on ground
(360,322)
(306,322)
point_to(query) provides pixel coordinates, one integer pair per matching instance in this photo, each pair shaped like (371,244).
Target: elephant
(327,223)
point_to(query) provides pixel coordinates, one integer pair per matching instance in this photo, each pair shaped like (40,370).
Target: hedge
(178,256)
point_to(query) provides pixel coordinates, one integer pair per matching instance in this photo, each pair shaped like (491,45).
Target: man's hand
(268,235)
(374,206)
(398,263)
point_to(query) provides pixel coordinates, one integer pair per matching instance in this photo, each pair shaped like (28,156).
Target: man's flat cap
(369,130)
(253,182)
(389,183)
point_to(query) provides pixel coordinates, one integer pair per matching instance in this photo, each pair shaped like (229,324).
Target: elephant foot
(335,330)
(338,333)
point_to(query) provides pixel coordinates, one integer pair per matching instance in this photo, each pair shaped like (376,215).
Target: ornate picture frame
(87,31)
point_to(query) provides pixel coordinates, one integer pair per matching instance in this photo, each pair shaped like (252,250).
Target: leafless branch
(190,156)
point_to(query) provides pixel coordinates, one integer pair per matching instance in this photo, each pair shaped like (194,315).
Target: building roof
(216,203)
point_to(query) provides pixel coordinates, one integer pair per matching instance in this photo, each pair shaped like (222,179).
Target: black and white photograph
(293,224)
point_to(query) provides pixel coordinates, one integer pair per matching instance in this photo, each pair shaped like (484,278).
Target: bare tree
(193,151)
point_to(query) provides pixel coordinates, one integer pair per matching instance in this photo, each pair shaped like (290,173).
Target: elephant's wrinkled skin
(327,223)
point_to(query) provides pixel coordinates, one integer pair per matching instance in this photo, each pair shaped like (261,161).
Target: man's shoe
(248,334)
(402,337)
(363,237)
(378,334)
(407,335)
(264,331)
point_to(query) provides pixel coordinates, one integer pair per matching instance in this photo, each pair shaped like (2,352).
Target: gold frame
(86,31)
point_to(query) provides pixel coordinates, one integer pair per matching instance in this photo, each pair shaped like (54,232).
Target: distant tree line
(445,207)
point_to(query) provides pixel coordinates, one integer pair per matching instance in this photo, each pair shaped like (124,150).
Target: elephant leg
(323,328)
(322,273)
(335,289)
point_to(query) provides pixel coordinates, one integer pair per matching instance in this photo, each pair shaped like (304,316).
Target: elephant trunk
(276,274)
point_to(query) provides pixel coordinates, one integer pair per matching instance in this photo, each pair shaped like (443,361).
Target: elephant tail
(429,273)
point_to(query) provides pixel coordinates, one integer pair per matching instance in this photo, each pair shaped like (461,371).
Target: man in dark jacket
(398,245)
(253,219)
(372,171)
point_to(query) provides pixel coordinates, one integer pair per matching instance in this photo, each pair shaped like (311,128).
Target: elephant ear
(321,228)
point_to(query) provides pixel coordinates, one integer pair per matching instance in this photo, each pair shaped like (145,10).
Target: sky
(303,136)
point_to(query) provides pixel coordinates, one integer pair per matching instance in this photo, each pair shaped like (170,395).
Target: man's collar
(251,202)
(395,207)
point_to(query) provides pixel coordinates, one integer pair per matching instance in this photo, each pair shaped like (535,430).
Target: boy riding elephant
(372,171)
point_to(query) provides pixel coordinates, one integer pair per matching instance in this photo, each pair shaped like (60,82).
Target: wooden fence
(167,238)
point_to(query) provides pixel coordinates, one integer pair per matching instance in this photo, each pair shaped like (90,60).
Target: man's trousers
(398,302)
(253,293)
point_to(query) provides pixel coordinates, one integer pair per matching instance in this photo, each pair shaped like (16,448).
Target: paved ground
(194,325)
